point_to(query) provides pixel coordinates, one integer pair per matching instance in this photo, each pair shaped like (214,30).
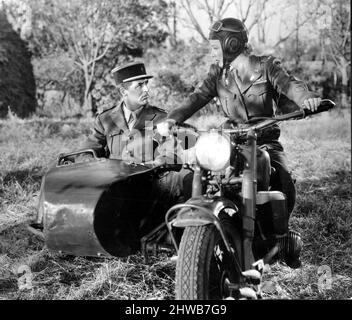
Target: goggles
(218,26)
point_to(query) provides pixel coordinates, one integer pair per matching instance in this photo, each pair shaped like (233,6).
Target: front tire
(204,268)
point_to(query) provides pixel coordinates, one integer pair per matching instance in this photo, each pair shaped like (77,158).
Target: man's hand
(312,104)
(164,127)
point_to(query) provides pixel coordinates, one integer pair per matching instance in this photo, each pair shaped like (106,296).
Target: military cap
(130,72)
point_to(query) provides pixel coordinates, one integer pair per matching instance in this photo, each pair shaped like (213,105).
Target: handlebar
(325,105)
(260,123)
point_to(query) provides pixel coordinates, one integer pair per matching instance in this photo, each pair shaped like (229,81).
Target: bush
(59,86)
(17,84)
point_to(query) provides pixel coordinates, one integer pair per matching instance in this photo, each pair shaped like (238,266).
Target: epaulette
(106,109)
(159,109)
(273,60)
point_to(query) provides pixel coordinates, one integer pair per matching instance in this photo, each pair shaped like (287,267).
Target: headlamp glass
(213,151)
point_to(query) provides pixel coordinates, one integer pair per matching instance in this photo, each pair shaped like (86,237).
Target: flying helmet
(233,36)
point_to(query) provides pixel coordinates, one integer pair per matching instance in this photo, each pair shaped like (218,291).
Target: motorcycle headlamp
(213,151)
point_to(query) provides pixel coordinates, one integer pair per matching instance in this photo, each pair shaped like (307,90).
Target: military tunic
(113,139)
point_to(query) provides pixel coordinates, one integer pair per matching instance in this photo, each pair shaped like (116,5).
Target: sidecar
(99,208)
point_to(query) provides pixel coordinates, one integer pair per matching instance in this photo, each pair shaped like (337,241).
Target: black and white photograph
(165,150)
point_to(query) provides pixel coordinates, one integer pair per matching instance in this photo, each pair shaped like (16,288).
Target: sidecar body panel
(85,204)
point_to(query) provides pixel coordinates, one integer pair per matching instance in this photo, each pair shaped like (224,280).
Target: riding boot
(290,249)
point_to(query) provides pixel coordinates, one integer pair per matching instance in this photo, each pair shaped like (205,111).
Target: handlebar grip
(325,105)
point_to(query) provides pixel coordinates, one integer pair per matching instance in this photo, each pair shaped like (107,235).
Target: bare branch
(77,47)
(209,11)
(283,39)
(104,52)
(219,8)
(250,4)
(239,6)
(188,9)
(224,10)
(347,32)
(80,65)
(333,56)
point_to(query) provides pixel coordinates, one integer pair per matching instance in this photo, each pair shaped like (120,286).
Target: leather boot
(290,249)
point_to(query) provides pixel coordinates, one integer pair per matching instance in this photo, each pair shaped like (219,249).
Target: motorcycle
(230,229)
(113,208)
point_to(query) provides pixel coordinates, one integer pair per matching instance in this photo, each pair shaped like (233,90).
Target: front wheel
(204,268)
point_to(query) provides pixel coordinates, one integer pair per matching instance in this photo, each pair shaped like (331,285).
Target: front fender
(202,210)
(199,211)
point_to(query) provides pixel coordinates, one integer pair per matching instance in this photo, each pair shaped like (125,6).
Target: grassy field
(319,153)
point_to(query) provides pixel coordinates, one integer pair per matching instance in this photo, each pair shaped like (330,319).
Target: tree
(17,84)
(213,9)
(337,41)
(303,14)
(171,22)
(90,31)
(253,13)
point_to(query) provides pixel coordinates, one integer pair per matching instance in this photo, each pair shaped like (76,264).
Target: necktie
(131,120)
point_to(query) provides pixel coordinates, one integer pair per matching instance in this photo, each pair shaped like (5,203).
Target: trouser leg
(281,180)
(186,177)
(291,244)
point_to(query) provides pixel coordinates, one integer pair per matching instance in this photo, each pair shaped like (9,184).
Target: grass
(319,154)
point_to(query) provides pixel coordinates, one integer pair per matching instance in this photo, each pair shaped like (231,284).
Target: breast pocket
(258,100)
(116,142)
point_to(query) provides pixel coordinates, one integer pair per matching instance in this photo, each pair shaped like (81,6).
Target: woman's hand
(312,104)
(164,128)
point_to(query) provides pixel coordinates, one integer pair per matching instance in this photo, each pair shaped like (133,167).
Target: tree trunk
(344,78)
(17,82)
(298,53)
(87,104)
(174,31)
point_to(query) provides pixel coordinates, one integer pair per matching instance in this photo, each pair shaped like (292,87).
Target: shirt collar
(127,112)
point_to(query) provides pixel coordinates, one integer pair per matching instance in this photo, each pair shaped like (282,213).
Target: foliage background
(75,44)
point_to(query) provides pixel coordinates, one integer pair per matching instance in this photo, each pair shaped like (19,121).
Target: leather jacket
(269,90)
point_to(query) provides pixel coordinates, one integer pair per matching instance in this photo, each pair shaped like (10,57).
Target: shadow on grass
(16,241)
(323,216)
(60,276)
(320,195)
(23,177)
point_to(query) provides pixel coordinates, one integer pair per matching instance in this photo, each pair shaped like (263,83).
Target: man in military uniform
(125,131)
(247,87)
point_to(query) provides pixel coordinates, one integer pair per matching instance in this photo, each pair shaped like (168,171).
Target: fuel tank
(97,208)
